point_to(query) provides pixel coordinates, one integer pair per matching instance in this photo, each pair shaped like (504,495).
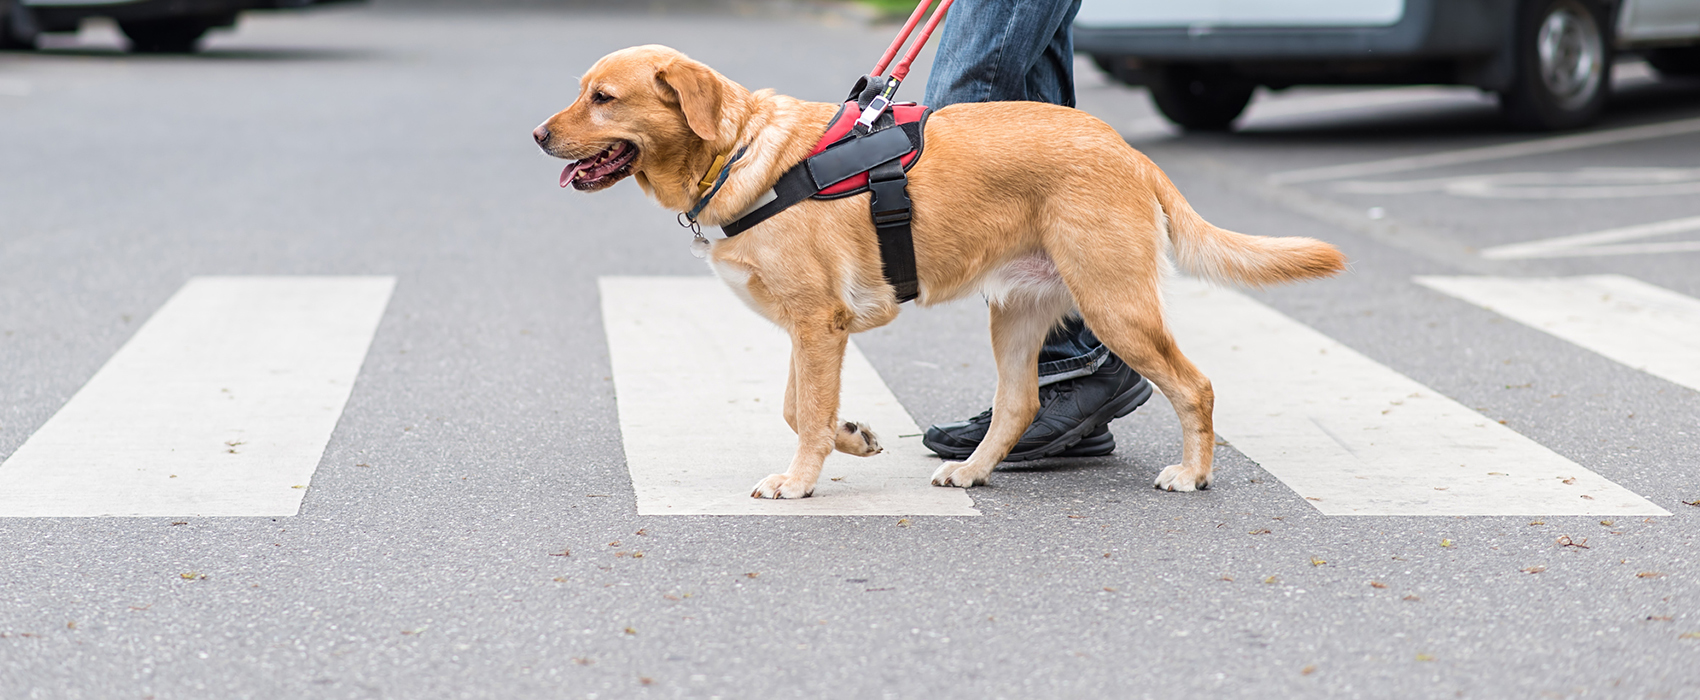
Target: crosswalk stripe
(1649,328)
(700,382)
(1595,244)
(220,405)
(1354,437)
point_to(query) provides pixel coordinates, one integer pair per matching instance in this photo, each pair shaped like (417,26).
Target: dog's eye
(601,98)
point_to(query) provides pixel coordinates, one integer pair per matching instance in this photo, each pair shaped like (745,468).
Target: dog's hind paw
(782,486)
(960,474)
(1176,477)
(857,439)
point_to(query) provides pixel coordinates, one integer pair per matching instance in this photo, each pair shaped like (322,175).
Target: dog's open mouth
(602,169)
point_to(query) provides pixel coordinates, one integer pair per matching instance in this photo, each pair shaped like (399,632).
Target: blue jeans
(1017,50)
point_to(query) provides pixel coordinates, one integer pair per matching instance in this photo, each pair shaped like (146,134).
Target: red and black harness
(868,147)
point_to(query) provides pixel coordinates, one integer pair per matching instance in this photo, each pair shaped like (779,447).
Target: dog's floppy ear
(698,91)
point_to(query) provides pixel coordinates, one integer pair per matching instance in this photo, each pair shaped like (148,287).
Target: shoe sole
(1122,405)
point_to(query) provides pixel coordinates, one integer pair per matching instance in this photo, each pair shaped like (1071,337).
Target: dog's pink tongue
(571,170)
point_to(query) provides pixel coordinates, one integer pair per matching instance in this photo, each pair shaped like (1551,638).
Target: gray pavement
(482,440)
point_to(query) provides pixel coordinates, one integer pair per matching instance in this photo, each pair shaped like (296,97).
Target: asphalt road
(481,439)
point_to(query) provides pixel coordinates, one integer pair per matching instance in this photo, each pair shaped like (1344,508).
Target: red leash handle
(902,36)
(902,69)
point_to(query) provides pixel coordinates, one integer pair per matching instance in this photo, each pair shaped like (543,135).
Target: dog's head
(646,110)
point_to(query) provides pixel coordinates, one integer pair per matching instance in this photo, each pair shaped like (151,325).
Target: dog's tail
(1226,257)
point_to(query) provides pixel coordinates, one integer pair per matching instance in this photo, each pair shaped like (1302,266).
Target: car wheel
(1563,70)
(1199,102)
(1683,61)
(17,26)
(169,35)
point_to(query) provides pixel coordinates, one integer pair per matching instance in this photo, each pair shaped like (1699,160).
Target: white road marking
(13,87)
(1649,328)
(1593,244)
(221,405)
(1519,149)
(1354,437)
(700,383)
(1583,183)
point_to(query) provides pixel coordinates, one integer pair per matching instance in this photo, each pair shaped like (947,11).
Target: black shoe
(1072,419)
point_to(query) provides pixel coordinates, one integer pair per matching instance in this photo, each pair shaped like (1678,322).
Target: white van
(1549,60)
(152,26)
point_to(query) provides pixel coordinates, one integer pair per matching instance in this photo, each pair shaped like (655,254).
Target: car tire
(1562,74)
(1200,102)
(1676,62)
(168,35)
(17,26)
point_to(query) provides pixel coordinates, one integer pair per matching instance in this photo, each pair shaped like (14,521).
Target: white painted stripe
(1356,438)
(1519,149)
(1649,328)
(221,404)
(1590,244)
(700,381)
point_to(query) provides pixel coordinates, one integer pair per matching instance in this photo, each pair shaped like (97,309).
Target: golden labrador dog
(1044,210)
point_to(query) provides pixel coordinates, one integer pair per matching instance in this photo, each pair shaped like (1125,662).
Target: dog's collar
(712,181)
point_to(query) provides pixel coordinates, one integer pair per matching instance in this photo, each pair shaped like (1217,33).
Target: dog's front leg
(811,406)
(1018,331)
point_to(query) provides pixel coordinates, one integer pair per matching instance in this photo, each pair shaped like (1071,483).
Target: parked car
(1548,60)
(152,26)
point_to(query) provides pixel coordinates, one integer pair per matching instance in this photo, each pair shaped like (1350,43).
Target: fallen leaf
(1272,579)
(643,531)
(582,661)
(562,553)
(903,522)
(1533,523)
(1588,497)
(1569,480)
(1226,578)
(192,576)
(181,522)
(71,625)
(1446,543)
(1424,657)
(1695,502)
(615,543)
(1312,498)
(1649,574)
(1377,584)
(1534,569)
(1106,555)
(1565,541)
(646,680)
(560,579)
(1314,561)
(299,486)
(1259,532)
(1307,670)
(1108,589)
(752,574)
(630,631)
(838,478)
(1412,598)
(1608,523)
(1689,635)
(1076,517)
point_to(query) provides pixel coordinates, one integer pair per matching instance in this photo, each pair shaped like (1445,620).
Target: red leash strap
(902,36)
(902,69)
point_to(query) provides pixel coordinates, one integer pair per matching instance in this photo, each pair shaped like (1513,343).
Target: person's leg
(1023,50)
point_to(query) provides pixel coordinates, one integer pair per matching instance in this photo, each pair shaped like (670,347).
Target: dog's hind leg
(1110,259)
(850,437)
(817,358)
(1019,324)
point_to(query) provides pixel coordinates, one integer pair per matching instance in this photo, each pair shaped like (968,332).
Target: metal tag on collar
(699,245)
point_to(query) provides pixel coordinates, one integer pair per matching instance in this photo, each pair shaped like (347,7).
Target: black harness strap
(891,210)
(798,183)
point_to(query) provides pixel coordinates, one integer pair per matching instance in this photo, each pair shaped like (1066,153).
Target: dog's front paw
(1176,477)
(857,439)
(960,474)
(782,486)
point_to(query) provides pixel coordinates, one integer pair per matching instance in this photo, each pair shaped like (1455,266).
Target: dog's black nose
(541,133)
